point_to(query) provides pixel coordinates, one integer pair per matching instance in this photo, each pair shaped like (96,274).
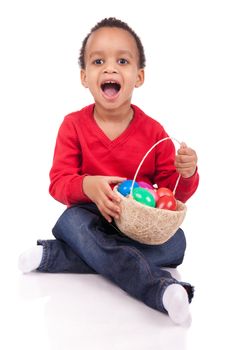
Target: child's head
(113,23)
(112,63)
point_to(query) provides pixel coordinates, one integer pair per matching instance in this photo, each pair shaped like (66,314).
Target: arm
(68,183)
(169,166)
(186,166)
(65,175)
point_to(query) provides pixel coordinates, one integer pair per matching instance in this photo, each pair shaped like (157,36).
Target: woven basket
(146,224)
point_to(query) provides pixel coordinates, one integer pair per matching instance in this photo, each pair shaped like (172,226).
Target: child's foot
(175,301)
(31,259)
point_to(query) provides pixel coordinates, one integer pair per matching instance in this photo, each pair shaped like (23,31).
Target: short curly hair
(112,22)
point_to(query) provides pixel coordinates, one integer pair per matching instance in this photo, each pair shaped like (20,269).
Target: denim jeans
(86,243)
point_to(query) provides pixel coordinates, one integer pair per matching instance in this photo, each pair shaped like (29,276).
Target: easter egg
(144,184)
(143,196)
(163,191)
(166,202)
(156,195)
(153,192)
(125,187)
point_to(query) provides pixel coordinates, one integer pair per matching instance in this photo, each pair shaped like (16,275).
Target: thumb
(182,149)
(116,179)
(183,145)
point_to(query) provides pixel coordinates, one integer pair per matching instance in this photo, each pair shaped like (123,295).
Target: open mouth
(110,88)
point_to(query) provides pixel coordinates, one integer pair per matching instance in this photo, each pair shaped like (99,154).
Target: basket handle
(139,167)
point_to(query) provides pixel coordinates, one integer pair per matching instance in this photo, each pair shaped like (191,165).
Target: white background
(189,89)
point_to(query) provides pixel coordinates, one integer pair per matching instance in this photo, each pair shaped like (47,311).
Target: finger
(182,164)
(107,217)
(112,195)
(108,206)
(109,213)
(184,158)
(186,151)
(113,209)
(104,212)
(109,196)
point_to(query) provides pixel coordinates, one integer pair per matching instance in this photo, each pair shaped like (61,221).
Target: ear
(83,78)
(140,77)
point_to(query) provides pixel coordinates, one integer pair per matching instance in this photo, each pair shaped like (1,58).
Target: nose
(110,68)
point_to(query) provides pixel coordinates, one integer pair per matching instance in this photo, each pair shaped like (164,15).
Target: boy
(101,146)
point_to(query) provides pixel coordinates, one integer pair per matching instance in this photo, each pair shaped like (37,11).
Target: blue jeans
(86,243)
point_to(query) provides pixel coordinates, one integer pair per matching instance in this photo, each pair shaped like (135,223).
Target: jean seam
(45,256)
(134,250)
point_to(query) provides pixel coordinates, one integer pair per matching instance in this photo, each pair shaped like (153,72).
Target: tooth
(110,82)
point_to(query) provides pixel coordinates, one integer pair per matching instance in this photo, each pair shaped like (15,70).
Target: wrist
(189,175)
(85,184)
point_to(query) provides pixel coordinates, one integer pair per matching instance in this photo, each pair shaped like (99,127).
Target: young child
(98,147)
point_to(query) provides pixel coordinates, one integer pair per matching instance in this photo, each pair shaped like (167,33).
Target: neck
(116,115)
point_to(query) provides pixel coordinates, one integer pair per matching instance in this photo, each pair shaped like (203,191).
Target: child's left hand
(186,161)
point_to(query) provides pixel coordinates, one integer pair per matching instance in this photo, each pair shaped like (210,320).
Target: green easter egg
(143,196)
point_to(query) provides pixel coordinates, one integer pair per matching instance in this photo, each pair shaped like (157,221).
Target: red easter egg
(166,202)
(163,191)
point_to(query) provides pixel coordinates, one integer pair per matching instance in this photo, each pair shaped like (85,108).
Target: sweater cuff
(76,194)
(186,183)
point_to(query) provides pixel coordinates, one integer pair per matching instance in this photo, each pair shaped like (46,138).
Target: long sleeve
(166,174)
(65,175)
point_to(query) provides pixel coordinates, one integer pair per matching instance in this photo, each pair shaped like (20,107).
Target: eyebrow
(119,52)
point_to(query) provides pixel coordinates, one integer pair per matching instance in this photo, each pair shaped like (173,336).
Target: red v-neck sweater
(83,149)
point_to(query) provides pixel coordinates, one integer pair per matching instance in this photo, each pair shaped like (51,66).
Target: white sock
(31,259)
(175,301)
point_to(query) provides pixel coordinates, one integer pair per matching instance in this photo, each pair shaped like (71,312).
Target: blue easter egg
(125,187)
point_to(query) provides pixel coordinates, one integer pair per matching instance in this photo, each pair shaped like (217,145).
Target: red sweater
(83,149)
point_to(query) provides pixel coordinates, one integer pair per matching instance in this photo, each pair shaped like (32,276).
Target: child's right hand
(98,189)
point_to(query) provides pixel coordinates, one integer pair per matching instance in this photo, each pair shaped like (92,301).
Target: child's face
(112,67)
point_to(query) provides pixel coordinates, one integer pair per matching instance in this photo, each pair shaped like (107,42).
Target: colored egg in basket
(149,216)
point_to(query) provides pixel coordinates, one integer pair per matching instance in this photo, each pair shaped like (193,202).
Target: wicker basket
(146,224)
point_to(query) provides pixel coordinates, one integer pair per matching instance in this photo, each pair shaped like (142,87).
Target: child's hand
(98,189)
(186,161)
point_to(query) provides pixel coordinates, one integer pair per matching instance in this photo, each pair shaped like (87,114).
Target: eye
(98,61)
(123,61)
